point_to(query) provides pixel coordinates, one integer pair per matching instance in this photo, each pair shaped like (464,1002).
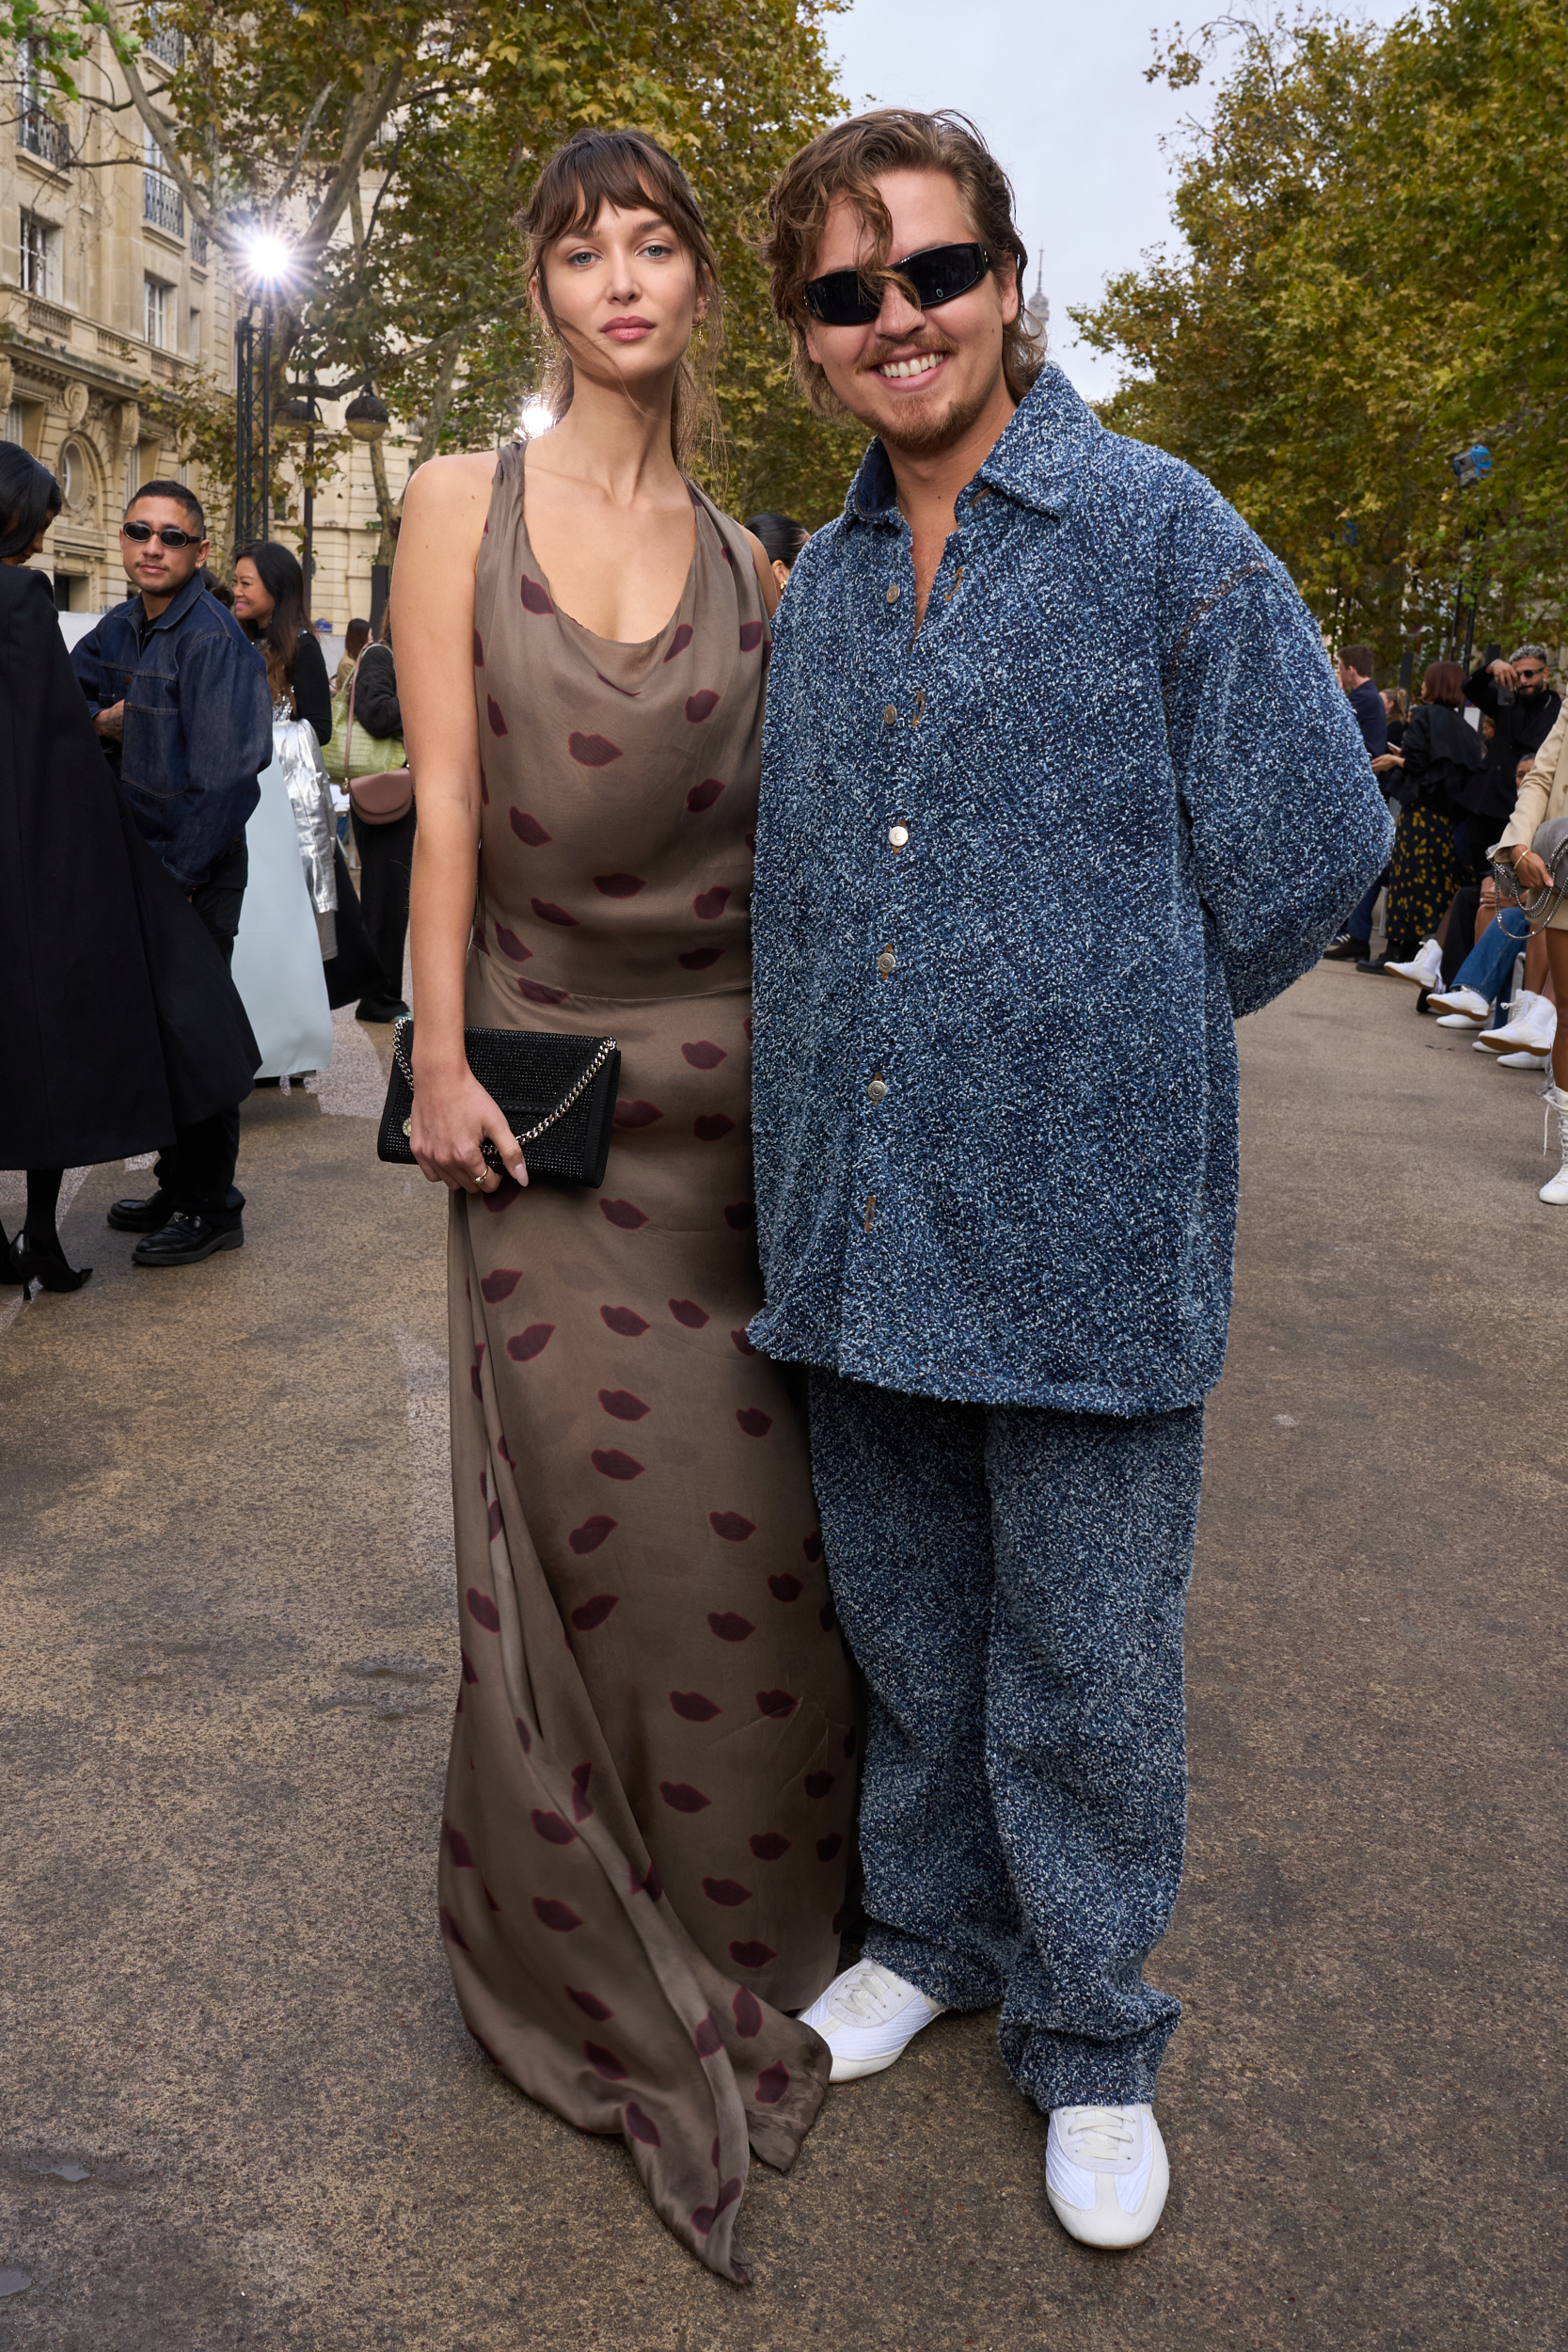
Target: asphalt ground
(237,2105)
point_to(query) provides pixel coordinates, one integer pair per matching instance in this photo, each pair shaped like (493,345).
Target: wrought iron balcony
(163,204)
(43,137)
(199,244)
(168,47)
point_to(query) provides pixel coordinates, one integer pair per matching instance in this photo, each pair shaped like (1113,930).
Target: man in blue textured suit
(1057,781)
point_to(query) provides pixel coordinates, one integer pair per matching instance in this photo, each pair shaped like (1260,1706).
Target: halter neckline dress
(654,1763)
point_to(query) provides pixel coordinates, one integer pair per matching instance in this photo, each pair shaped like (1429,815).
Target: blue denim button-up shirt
(198,729)
(1016,875)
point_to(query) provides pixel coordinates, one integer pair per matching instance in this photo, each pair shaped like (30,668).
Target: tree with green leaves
(1373,281)
(391,148)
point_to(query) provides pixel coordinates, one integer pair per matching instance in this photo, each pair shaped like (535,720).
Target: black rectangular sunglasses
(942,272)
(140,532)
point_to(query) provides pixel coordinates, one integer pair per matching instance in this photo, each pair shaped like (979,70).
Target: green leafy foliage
(1374,228)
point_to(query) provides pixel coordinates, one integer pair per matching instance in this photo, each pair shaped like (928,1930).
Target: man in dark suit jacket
(179,697)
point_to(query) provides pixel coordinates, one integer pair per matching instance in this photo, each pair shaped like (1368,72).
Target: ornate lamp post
(269,257)
(367,418)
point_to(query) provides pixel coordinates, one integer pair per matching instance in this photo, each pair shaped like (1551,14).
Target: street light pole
(266,412)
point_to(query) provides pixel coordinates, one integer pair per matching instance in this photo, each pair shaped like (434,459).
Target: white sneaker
(868,2017)
(1454,1019)
(1425,968)
(1522,1061)
(1466,1004)
(1106,2173)
(1533,1026)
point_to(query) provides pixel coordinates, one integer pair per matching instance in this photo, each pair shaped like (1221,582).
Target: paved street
(239,2106)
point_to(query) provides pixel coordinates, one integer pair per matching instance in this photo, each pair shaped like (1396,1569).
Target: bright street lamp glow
(269,256)
(536,418)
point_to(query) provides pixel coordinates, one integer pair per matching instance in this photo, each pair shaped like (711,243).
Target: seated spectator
(1544,795)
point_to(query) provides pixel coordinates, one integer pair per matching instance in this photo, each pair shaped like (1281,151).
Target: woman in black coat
(1440,759)
(269,605)
(386,852)
(118,1021)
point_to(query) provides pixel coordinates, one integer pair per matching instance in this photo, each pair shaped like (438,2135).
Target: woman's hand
(452,1116)
(1531,872)
(1386,760)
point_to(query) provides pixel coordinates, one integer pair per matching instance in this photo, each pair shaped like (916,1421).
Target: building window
(36,127)
(155,312)
(164,44)
(161,201)
(133,472)
(193,338)
(40,271)
(68,472)
(199,246)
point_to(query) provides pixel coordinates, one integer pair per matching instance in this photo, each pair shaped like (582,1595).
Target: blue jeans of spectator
(1012,1582)
(1491,958)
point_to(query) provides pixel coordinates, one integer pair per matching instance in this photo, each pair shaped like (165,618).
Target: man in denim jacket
(178,695)
(1057,781)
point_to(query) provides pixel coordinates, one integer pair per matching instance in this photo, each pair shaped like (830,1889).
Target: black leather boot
(188,1236)
(144,1216)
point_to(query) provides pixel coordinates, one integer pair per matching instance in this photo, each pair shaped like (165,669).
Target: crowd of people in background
(1471,776)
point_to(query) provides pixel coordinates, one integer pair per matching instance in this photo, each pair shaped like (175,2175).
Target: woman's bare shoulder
(449,486)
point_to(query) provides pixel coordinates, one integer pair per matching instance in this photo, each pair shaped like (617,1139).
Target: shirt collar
(1038,461)
(194,587)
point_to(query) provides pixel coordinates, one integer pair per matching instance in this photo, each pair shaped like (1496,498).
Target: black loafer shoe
(371,1009)
(1370,963)
(187,1238)
(142,1217)
(1345,949)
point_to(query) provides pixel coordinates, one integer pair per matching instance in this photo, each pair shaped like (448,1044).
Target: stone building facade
(109,296)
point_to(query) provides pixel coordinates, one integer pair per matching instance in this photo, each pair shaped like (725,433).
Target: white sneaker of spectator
(1454,1019)
(1460,1004)
(1533,1028)
(1425,968)
(1523,1061)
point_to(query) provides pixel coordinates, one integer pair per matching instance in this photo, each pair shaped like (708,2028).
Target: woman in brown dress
(653,1769)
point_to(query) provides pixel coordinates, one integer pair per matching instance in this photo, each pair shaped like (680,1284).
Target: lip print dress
(652,1767)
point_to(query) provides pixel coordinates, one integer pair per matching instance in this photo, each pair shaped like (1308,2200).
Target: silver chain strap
(578,1087)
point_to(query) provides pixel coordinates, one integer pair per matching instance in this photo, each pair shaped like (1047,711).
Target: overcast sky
(1060,95)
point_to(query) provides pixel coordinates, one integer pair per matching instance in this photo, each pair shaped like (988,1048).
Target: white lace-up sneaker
(1106,2173)
(1425,968)
(1523,1061)
(868,2017)
(1530,1029)
(1466,1004)
(1454,1019)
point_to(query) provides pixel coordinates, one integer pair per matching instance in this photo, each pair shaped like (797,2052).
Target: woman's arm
(432,614)
(312,694)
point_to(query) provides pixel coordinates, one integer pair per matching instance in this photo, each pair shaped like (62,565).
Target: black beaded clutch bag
(557,1093)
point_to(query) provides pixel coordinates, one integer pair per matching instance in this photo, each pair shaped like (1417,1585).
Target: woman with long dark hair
(652,1779)
(269,605)
(118,1019)
(386,851)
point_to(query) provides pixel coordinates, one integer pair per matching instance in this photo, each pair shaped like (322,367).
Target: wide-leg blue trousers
(1012,1583)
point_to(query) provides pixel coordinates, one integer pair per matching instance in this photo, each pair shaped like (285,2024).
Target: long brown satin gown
(652,1767)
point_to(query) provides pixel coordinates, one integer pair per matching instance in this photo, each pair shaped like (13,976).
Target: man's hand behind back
(111,722)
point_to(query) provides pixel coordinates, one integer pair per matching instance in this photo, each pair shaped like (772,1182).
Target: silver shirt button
(877,1089)
(893,591)
(889,714)
(887,963)
(898,834)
